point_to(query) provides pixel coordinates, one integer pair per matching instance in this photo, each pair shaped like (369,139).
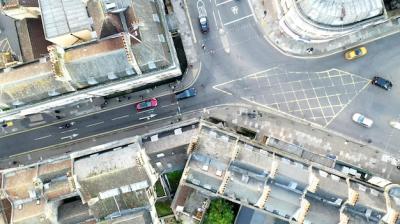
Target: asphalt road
(239,66)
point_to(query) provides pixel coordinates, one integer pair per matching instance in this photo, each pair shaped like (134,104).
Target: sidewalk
(321,145)
(95,105)
(268,14)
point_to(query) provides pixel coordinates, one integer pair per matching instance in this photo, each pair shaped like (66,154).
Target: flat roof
(63,17)
(17,183)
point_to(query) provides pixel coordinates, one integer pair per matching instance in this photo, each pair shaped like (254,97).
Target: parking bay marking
(224,2)
(237,20)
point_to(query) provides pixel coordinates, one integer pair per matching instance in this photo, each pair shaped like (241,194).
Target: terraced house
(80,50)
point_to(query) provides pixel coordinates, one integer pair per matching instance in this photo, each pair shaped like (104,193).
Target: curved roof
(340,12)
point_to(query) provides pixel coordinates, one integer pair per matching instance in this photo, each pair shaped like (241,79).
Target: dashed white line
(117,118)
(224,2)
(69,130)
(94,124)
(172,104)
(42,137)
(237,20)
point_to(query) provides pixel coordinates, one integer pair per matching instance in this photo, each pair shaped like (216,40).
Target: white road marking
(42,137)
(215,19)
(90,125)
(69,130)
(235,9)
(224,2)
(190,21)
(216,88)
(172,104)
(69,136)
(219,15)
(117,118)
(237,20)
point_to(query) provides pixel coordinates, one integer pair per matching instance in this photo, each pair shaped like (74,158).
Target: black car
(186,94)
(381,82)
(203,24)
(66,125)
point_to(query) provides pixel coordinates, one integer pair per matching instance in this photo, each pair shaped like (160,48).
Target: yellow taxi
(7,124)
(355,53)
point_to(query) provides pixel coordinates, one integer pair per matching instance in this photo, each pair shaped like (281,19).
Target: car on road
(66,125)
(381,82)
(7,124)
(355,53)
(203,21)
(146,104)
(362,120)
(395,124)
(186,94)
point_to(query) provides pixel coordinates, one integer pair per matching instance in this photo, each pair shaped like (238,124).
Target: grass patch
(173,179)
(159,189)
(163,208)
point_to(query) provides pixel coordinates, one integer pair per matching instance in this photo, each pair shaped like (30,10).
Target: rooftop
(19,184)
(29,83)
(110,170)
(31,213)
(137,37)
(236,168)
(63,17)
(15,3)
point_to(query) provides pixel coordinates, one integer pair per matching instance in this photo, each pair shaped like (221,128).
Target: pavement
(322,142)
(269,14)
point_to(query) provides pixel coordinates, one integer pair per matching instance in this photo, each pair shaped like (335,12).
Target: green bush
(220,212)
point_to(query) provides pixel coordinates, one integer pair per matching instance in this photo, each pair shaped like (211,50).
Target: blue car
(186,94)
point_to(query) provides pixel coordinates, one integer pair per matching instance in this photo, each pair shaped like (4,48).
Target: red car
(147,104)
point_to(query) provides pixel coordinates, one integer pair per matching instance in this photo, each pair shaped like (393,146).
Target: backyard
(220,212)
(173,179)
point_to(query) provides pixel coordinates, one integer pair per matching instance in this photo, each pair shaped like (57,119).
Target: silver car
(362,120)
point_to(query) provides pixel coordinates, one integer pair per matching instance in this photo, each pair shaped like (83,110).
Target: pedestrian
(203,46)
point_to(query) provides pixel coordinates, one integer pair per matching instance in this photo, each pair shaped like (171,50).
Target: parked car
(362,120)
(355,53)
(146,104)
(203,21)
(395,124)
(381,82)
(186,94)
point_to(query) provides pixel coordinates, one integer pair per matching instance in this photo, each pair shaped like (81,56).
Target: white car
(395,124)
(362,120)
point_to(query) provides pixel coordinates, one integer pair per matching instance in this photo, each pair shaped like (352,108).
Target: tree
(220,212)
